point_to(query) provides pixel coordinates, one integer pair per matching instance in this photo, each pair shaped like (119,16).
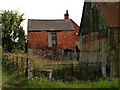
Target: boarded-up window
(52,39)
(49,39)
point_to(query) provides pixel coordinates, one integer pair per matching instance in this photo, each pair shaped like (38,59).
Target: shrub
(80,72)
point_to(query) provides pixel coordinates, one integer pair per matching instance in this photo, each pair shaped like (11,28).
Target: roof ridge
(48,19)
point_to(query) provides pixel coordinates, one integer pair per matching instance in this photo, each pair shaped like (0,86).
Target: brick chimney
(66,15)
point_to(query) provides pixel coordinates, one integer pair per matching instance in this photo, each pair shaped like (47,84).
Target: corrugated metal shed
(99,35)
(109,11)
(50,25)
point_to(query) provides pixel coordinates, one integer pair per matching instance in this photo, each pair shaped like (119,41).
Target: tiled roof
(109,12)
(49,25)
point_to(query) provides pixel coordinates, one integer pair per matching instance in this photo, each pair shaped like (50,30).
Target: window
(52,39)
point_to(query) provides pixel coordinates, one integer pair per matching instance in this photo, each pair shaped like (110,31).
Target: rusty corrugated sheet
(109,11)
(94,50)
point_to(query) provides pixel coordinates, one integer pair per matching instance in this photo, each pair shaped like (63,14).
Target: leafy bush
(80,72)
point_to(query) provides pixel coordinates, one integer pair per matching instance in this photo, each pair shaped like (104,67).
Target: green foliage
(13,35)
(78,72)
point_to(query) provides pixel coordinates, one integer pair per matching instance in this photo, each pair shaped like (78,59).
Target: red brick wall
(77,38)
(38,40)
(66,39)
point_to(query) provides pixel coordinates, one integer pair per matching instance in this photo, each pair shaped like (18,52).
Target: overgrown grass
(19,81)
(13,79)
(76,84)
(39,62)
(71,71)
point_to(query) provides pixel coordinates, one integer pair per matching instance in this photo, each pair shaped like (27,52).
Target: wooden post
(26,69)
(13,58)
(5,59)
(104,71)
(9,62)
(50,74)
(30,69)
(6,62)
(16,61)
(21,61)
(30,64)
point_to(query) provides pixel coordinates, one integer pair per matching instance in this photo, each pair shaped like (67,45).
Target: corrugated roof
(49,25)
(109,12)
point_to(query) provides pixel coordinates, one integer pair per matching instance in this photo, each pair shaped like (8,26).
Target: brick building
(46,34)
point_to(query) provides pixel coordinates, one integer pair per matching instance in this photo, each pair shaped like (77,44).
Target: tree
(13,35)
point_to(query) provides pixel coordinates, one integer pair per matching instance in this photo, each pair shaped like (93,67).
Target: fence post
(5,59)
(104,70)
(17,61)
(9,61)
(26,69)
(21,62)
(30,68)
(13,60)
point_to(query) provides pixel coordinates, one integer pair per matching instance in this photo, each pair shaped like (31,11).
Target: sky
(45,9)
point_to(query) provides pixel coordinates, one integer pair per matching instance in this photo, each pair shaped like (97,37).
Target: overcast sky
(45,9)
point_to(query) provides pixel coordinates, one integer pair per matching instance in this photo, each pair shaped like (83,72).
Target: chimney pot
(66,11)
(66,15)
